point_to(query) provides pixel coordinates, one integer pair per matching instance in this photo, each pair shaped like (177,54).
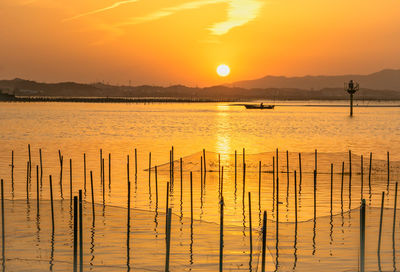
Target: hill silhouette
(388,79)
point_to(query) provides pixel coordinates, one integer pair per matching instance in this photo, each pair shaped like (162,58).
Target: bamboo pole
(136,168)
(251,227)
(316,162)
(27,182)
(30,161)
(388,171)
(70,180)
(300,171)
(331,188)
(91,185)
(315,194)
(51,203)
(362,177)
(394,214)
(380,223)
(221,235)
(80,232)
(84,173)
(369,172)
(37,191)
(362,236)
(166,208)
(341,186)
(191,198)
(244,180)
(75,233)
(295,196)
(3,224)
(109,169)
(287,172)
(350,174)
(259,183)
(156,178)
(273,177)
(101,165)
(103,191)
(235,168)
(150,173)
(61,158)
(168,238)
(181,172)
(204,161)
(41,167)
(12,170)
(264,241)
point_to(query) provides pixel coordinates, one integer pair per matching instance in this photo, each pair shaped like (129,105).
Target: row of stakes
(78,199)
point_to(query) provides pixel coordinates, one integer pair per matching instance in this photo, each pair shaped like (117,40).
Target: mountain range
(383,85)
(388,79)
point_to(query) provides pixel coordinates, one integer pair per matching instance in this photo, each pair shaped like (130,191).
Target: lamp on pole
(351,87)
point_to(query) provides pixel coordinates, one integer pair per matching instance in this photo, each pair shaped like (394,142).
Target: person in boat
(262,105)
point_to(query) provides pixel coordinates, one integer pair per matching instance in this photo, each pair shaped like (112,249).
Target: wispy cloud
(115,5)
(240,12)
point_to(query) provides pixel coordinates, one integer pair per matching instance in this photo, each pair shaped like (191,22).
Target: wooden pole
(51,203)
(91,185)
(70,180)
(264,241)
(221,235)
(80,232)
(41,167)
(84,173)
(109,169)
(168,238)
(251,227)
(128,222)
(362,236)
(201,174)
(222,181)
(295,196)
(277,209)
(380,223)
(75,233)
(219,173)
(172,166)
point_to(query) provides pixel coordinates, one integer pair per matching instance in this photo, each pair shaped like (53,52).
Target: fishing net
(31,245)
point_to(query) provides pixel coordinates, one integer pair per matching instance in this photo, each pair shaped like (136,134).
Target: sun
(223,70)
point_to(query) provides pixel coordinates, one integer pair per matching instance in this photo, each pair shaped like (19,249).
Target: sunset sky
(169,42)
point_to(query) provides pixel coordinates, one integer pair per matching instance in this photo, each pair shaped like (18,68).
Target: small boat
(260,107)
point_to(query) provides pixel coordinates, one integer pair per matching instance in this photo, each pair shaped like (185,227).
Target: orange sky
(182,41)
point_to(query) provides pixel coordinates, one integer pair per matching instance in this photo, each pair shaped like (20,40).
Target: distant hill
(19,89)
(383,80)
